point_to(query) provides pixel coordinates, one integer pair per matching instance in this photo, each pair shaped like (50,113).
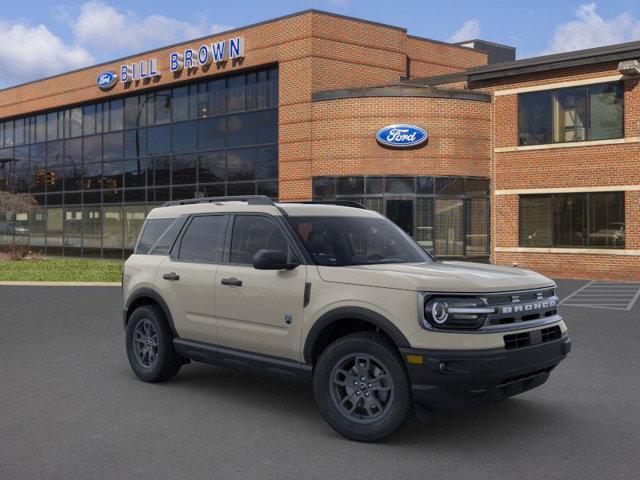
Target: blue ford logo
(106,80)
(401,136)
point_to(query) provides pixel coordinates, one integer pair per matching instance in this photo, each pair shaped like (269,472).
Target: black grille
(551,333)
(519,307)
(525,339)
(517,340)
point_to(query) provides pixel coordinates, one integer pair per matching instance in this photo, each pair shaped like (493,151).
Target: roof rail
(250,199)
(342,203)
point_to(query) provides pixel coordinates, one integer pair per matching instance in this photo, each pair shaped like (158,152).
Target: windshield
(340,241)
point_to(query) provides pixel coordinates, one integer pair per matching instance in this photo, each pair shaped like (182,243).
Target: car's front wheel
(362,387)
(150,345)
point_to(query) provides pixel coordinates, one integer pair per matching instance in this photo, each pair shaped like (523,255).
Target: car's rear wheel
(362,388)
(150,345)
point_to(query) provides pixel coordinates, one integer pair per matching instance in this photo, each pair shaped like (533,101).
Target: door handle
(171,276)
(233,282)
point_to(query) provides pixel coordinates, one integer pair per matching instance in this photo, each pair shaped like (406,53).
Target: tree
(16,202)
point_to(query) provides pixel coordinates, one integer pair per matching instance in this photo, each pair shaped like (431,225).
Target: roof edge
(213,34)
(400,90)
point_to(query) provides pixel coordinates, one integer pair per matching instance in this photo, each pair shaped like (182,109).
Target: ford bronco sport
(337,295)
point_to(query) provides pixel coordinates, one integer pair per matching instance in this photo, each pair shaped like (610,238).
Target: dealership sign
(189,59)
(106,80)
(401,136)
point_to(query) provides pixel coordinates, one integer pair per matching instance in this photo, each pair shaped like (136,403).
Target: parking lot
(71,408)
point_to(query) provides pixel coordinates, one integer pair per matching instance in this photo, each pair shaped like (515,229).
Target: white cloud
(98,33)
(104,29)
(28,52)
(591,30)
(469,31)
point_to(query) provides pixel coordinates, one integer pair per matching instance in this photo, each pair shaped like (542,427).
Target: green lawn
(61,270)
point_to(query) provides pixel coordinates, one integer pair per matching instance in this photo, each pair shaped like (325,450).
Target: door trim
(243,360)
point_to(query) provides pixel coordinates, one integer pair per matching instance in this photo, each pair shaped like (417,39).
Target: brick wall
(614,164)
(344,137)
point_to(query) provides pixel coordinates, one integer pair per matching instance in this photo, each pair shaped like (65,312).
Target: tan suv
(339,296)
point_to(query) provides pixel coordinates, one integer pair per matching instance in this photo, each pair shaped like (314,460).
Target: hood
(459,277)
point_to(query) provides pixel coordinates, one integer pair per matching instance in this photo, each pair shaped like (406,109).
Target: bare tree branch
(16,202)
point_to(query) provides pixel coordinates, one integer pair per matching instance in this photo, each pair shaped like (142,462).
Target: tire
(152,357)
(384,403)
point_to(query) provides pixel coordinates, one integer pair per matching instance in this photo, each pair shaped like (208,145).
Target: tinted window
(536,215)
(204,239)
(594,112)
(573,220)
(253,233)
(338,241)
(151,233)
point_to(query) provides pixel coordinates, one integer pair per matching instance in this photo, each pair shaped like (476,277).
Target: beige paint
(190,299)
(252,317)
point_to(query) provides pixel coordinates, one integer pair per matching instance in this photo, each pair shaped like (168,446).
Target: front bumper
(452,379)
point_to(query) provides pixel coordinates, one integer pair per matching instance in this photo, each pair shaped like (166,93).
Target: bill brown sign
(189,59)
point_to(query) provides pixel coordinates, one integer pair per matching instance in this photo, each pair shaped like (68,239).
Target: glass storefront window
(448,216)
(112,232)
(477,232)
(87,163)
(424,223)
(449,227)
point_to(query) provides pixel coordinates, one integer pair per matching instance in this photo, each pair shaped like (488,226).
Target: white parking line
(612,296)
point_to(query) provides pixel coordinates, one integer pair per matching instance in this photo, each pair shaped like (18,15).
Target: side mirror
(272,260)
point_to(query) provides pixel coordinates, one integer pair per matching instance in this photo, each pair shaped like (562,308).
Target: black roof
(590,56)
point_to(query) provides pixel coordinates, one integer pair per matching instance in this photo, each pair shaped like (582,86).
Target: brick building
(528,162)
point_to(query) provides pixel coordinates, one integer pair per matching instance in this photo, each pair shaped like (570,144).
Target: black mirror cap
(272,260)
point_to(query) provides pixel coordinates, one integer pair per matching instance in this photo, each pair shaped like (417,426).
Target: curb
(61,284)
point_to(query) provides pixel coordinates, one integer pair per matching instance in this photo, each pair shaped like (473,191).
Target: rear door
(187,276)
(259,310)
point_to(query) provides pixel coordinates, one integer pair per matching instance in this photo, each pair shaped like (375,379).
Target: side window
(152,231)
(168,238)
(204,240)
(252,233)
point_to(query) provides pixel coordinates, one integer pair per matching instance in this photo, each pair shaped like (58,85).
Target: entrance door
(400,212)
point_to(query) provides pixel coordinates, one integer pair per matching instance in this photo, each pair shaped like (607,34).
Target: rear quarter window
(151,233)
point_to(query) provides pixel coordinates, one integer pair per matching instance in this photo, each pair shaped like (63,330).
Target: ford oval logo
(106,80)
(401,136)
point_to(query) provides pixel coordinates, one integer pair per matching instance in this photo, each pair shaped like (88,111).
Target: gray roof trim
(244,27)
(400,91)
(436,79)
(609,53)
(496,44)
(439,42)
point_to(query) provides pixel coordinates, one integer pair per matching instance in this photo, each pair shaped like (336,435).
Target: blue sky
(43,37)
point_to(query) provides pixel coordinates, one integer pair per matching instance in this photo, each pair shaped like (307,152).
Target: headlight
(455,312)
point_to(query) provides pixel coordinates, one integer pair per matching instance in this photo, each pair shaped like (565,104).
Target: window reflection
(91,160)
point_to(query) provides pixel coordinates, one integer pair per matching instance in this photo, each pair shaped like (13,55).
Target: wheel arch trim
(355,313)
(146,292)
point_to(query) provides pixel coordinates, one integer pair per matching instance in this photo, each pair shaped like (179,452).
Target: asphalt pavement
(70,408)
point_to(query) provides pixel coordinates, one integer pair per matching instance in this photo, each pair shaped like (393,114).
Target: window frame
(552,93)
(587,228)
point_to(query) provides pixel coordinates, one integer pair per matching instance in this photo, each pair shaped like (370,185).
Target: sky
(39,38)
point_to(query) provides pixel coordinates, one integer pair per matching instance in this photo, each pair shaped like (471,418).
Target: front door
(259,310)
(400,212)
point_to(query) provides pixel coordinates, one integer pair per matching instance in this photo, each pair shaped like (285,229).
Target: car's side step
(241,360)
